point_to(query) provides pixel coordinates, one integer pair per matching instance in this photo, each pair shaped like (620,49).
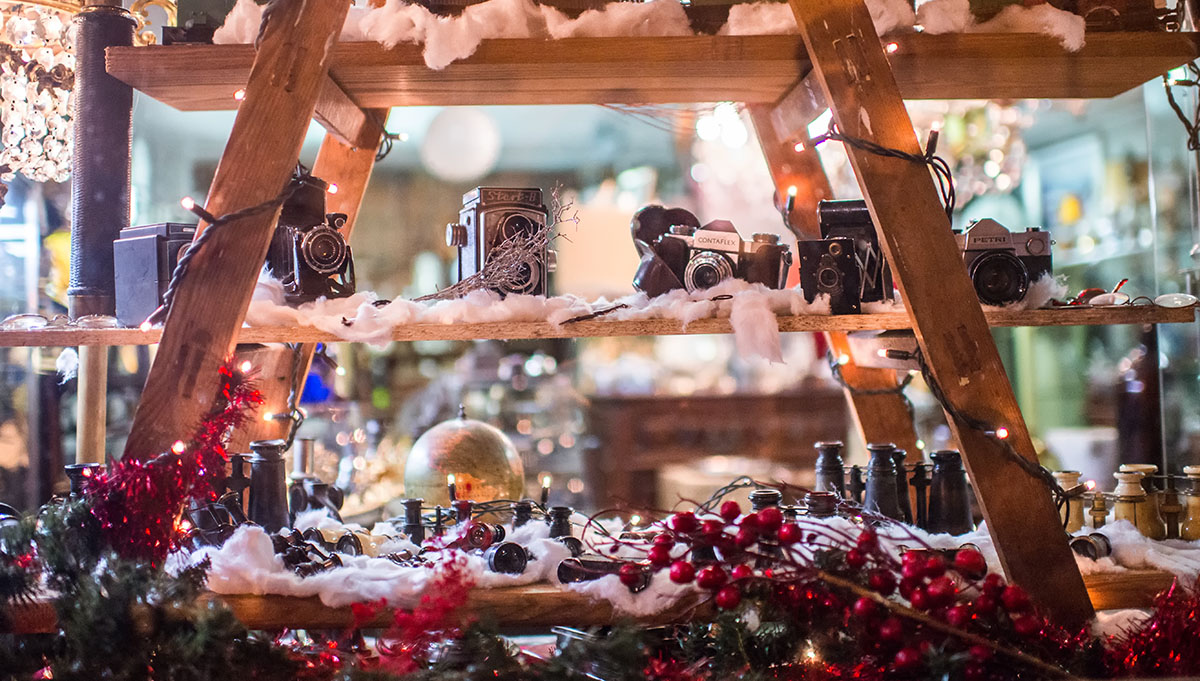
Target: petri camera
(678,253)
(489,217)
(308,253)
(1003,264)
(847,263)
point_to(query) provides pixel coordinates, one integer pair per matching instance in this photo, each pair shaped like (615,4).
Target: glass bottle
(880,496)
(1190,529)
(949,495)
(902,485)
(1156,527)
(1072,513)
(831,476)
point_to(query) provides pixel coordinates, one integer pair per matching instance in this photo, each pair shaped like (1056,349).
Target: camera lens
(829,278)
(528,277)
(999,277)
(323,250)
(516,224)
(706,270)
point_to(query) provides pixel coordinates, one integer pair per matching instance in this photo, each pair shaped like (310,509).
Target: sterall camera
(678,253)
(489,217)
(308,253)
(1003,264)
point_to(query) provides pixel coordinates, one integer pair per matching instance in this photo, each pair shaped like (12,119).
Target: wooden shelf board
(669,69)
(62,337)
(541,606)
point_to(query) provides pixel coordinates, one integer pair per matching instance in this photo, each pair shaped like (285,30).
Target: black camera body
(1003,264)
(489,217)
(847,263)
(678,253)
(308,254)
(143,259)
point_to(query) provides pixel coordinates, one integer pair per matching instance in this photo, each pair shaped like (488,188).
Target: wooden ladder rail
(349,166)
(853,74)
(879,416)
(289,73)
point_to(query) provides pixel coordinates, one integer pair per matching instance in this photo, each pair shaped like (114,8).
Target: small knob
(456,235)
(765,238)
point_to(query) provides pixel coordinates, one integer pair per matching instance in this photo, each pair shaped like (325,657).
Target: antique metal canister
(949,495)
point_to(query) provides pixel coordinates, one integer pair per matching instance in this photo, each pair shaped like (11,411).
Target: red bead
(985,604)
(711,528)
(970,563)
(912,570)
(855,559)
(770,518)
(867,541)
(630,575)
(711,577)
(659,556)
(684,522)
(941,591)
(908,586)
(907,658)
(958,616)
(790,533)
(935,566)
(730,510)
(663,540)
(919,599)
(912,558)
(865,608)
(1027,625)
(993,585)
(728,598)
(746,537)
(742,571)
(882,582)
(980,653)
(892,629)
(750,520)
(1014,598)
(682,572)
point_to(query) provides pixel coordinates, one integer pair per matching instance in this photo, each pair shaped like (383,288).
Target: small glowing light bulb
(187,203)
(178,447)
(450,479)
(843,359)
(792,190)
(1090,484)
(333,188)
(245,367)
(240,94)
(1002,433)
(635,519)
(799,147)
(882,352)
(144,326)
(268,416)
(546,481)
(403,137)
(892,48)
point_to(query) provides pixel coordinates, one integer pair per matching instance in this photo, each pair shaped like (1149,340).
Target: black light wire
(939,166)
(1033,469)
(197,245)
(1191,124)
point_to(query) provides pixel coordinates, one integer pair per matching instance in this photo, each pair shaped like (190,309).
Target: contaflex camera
(308,253)
(489,217)
(693,257)
(1003,264)
(144,258)
(847,264)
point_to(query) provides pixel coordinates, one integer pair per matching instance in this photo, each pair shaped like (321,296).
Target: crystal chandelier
(37,74)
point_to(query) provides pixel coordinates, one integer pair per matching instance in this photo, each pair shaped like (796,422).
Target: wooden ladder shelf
(838,60)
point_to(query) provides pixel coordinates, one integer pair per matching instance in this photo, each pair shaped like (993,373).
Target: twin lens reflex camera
(490,216)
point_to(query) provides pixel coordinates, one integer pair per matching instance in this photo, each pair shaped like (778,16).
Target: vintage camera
(847,263)
(308,253)
(830,266)
(1003,264)
(489,217)
(143,259)
(693,257)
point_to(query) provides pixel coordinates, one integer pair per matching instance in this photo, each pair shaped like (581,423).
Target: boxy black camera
(847,263)
(143,259)
(308,253)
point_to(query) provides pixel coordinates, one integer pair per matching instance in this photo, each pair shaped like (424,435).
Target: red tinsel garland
(1166,644)
(139,502)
